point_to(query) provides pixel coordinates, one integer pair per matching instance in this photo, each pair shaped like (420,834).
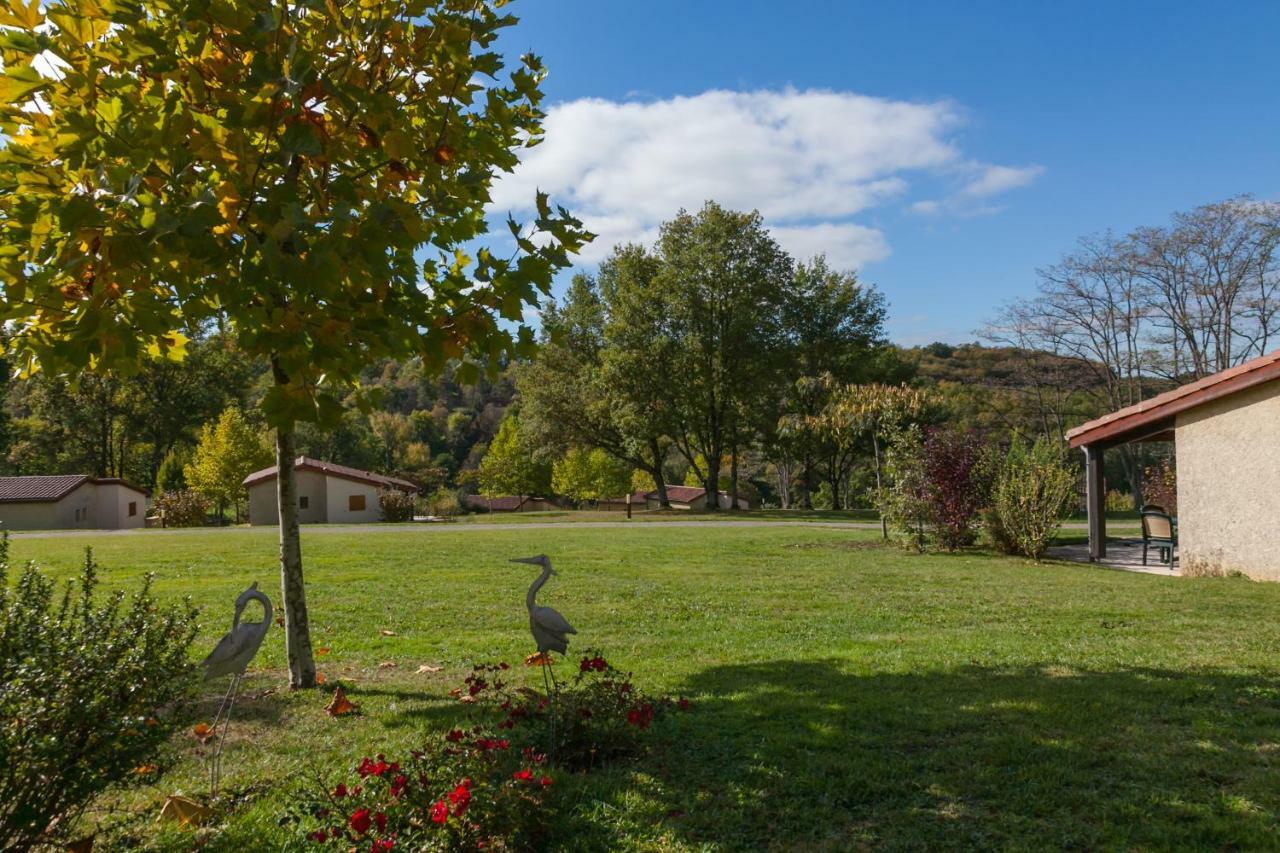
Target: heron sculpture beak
(532,561)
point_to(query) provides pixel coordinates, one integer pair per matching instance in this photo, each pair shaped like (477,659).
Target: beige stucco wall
(112,506)
(1229,485)
(340,491)
(312,485)
(103,506)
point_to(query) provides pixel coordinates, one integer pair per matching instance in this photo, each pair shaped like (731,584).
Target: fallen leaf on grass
(322,651)
(388,664)
(280,621)
(539,659)
(340,705)
(388,633)
(203,732)
(427,668)
(184,811)
(319,678)
(145,769)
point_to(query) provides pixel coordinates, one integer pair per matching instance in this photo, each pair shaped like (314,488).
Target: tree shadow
(789,755)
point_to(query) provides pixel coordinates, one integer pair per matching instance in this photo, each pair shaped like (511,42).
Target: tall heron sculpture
(231,657)
(550,631)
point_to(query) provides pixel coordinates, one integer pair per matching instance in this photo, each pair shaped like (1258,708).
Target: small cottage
(1226,434)
(68,501)
(327,493)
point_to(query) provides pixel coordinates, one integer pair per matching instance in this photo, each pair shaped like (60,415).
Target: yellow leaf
(387,633)
(388,664)
(228,200)
(427,668)
(322,651)
(539,659)
(203,732)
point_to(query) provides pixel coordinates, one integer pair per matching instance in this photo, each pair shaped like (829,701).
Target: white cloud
(809,161)
(846,245)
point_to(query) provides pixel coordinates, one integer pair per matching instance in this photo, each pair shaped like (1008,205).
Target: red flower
(319,836)
(381,820)
(340,791)
(360,821)
(545,781)
(454,736)
(683,704)
(460,797)
(398,785)
(439,812)
(382,845)
(525,775)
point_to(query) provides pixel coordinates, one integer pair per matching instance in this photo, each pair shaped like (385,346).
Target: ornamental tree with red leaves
(957,482)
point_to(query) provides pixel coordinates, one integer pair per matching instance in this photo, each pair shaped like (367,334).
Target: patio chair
(1153,508)
(1158,532)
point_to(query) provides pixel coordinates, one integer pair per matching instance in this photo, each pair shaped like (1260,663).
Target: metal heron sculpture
(550,631)
(231,657)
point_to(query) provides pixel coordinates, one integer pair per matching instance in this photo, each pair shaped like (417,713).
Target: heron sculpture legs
(223,717)
(553,692)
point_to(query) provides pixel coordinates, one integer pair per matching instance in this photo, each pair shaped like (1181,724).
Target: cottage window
(303,502)
(133,508)
(355,503)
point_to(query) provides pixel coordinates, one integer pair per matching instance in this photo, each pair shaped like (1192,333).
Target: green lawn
(845,695)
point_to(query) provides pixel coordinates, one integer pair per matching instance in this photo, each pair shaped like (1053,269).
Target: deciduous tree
(315,174)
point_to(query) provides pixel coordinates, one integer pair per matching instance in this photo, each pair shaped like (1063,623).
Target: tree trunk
(712,503)
(297,632)
(733,480)
(659,481)
(875,448)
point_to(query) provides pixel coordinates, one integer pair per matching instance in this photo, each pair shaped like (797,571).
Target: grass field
(844,695)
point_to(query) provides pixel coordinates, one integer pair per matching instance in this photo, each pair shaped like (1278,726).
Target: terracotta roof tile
(306,463)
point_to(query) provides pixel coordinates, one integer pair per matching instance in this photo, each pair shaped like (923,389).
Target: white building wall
(341,491)
(1229,485)
(89,506)
(312,486)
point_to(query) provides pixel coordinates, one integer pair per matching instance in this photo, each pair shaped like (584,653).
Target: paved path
(322,529)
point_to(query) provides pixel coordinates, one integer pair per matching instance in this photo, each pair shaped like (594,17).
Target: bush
(1160,486)
(86,696)
(904,501)
(444,503)
(599,715)
(182,509)
(1033,493)
(1118,501)
(396,505)
(957,485)
(465,791)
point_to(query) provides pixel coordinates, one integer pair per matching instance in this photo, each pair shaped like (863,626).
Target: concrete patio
(1122,554)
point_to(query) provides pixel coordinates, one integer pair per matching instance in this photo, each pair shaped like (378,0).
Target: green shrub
(904,501)
(444,503)
(182,509)
(1118,501)
(87,691)
(396,505)
(1033,493)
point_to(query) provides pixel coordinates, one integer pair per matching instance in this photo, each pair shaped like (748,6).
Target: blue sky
(946,149)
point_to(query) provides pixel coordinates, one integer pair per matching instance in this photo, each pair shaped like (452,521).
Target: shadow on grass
(805,756)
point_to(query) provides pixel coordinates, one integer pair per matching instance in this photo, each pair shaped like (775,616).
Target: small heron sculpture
(231,657)
(550,631)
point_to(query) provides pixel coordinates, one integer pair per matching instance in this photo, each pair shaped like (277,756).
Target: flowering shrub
(87,690)
(598,716)
(469,790)
(182,509)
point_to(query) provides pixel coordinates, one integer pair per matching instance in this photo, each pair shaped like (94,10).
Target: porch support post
(1096,501)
